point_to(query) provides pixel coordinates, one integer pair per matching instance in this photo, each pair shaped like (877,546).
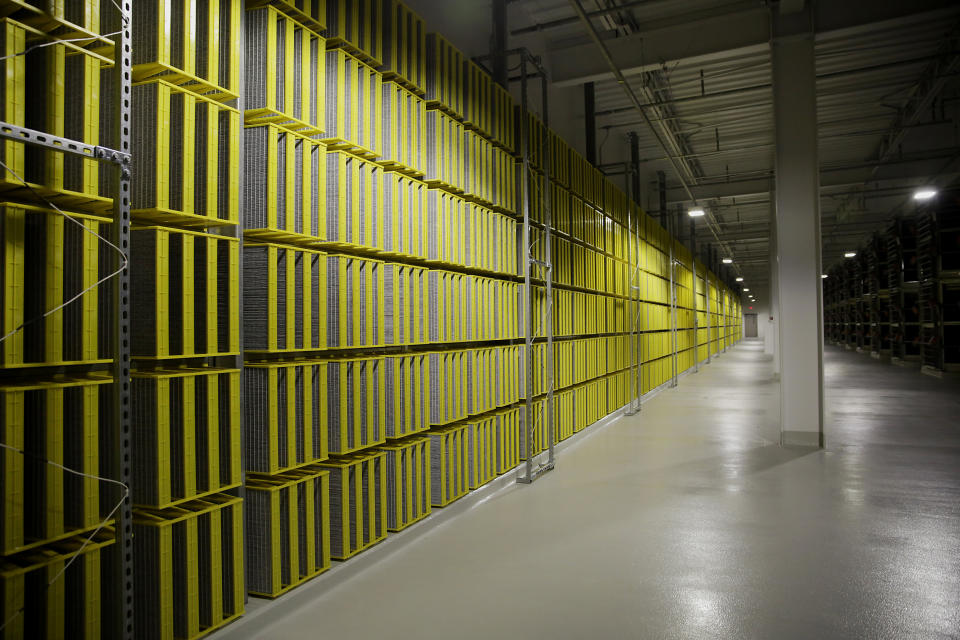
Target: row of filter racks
(282,277)
(899,297)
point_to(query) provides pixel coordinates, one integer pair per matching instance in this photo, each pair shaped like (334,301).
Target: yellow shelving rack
(64,102)
(186,431)
(187,159)
(444,86)
(191,580)
(185,293)
(407,465)
(353,214)
(403,129)
(61,259)
(285,417)
(170,36)
(481,452)
(354,302)
(404,46)
(285,185)
(288,529)
(356,404)
(506,430)
(66,421)
(449,469)
(284,289)
(353,119)
(358,503)
(403,201)
(357,25)
(285,72)
(312,13)
(69,601)
(405,309)
(406,388)
(445,152)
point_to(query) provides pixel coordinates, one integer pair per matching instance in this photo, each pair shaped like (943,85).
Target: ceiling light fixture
(696,212)
(850,254)
(924,194)
(746,289)
(739,279)
(824,276)
(728,261)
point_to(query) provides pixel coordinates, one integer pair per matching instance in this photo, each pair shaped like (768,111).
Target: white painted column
(771,343)
(797,268)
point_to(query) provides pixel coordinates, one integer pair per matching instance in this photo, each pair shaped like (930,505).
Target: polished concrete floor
(687,521)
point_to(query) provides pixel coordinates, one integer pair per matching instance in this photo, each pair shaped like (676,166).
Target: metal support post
(706,291)
(120,335)
(529,472)
(590,122)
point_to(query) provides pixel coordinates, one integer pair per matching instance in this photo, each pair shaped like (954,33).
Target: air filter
(479,175)
(357,25)
(507,439)
(356,404)
(402,211)
(285,415)
(448,464)
(481,452)
(196,47)
(188,568)
(187,159)
(186,434)
(404,122)
(404,46)
(287,530)
(477,94)
(503,130)
(407,470)
(406,388)
(354,300)
(284,187)
(57,591)
(67,422)
(285,69)
(59,259)
(444,241)
(444,75)
(354,110)
(354,217)
(184,293)
(445,152)
(55,89)
(358,503)
(312,13)
(559,152)
(283,305)
(504,197)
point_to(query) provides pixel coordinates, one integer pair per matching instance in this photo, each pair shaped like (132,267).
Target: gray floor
(687,521)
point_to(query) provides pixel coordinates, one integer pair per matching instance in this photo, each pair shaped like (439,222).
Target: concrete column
(797,231)
(772,333)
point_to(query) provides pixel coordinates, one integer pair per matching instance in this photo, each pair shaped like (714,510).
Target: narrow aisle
(685,521)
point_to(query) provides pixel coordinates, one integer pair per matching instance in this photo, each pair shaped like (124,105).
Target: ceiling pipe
(618,74)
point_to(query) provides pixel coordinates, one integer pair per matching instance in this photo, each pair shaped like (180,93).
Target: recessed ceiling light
(924,194)
(850,254)
(696,213)
(728,261)
(739,279)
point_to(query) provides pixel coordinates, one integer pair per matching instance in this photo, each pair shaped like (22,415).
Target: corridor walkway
(687,521)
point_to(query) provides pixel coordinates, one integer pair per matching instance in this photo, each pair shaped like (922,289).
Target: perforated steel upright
(118,590)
